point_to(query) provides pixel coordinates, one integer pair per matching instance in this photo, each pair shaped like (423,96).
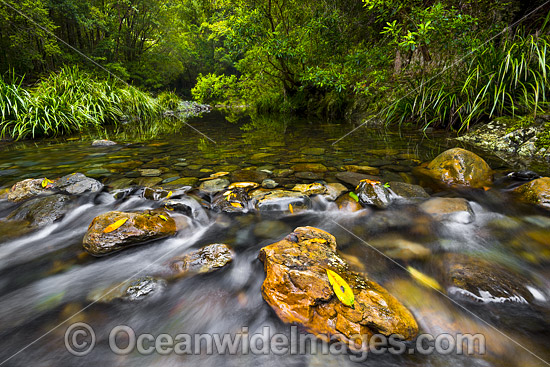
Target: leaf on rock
(115,225)
(169,194)
(354,196)
(236,205)
(46,182)
(341,288)
(163,217)
(424,279)
(290,209)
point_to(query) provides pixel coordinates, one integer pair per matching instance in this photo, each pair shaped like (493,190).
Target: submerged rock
(281,200)
(205,260)
(373,193)
(248,176)
(309,167)
(77,184)
(269,183)
(478,280)
(139,228)
(362,169)
(214,186)
(535,192)
(354,178)
(297,288)
(130,290)
(458,167)
(399,248)
(449,209)
(40,212)
(310,189)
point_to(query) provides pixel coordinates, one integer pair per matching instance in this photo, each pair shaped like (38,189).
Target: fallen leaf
(169,194)
(424,279)
(341,288)
(354,196)
(115,225)
(46,182)
(290,209)
(163,217)
(236,205)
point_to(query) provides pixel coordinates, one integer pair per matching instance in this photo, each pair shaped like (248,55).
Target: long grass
(68,102)
(509,78)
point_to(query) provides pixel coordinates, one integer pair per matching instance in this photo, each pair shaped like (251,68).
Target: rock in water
(139,228)
(205,260)
(449,209)
(77,184)
(27,189)
(298,290)
(214,186)
(231,201)
(535,192)
(103,143)
(42,211)
(373,193)
(458,167)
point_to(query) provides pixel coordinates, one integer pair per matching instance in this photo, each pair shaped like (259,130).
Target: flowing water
(47,280)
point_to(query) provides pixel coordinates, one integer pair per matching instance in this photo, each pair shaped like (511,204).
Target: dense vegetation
(432,62)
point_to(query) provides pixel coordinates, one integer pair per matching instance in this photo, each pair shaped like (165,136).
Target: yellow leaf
(236,205)
(163,217)
(290,209)
(169,194)
(424,279)
(115,225)
(341,288)
(46,182)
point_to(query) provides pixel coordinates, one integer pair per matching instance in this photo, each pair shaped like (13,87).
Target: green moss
(543,138)
(516,122)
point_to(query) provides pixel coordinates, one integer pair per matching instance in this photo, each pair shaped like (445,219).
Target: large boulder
(457,167)
(139,228)
(297,288)
(535,192)
(204,260)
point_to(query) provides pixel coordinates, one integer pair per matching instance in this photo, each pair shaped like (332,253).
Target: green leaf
(341,288)
(354,196)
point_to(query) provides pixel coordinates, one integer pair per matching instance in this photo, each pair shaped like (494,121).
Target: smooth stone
(313,151)
(334,190)
(309,175)
(27,189)
(98,172)
(248,176)
(131,290)
(309,167)
(310,189)
(406,190)
(282,173)
(214,186)
(269,183)
(139,228)
(354,178)
(42,211)
(77,184)
(149,181)
(373,193)
(184,181)
(103,143)
(348,204)
(535,192)
(400,248)
(170,179)
(259,156)
(271,229)
(150,172)
(362,169)
(204,260)
(449,209)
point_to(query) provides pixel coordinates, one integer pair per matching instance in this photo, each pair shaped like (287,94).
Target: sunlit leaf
(354,196)
(169,194)
(115,225)
(290,209)
(46,182)
(236,205)
(341,288)
(163,218)
(424,279)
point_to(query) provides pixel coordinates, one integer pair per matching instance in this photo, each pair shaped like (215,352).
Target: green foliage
(214,89)
(168,100)
(70,101)
(506,79)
